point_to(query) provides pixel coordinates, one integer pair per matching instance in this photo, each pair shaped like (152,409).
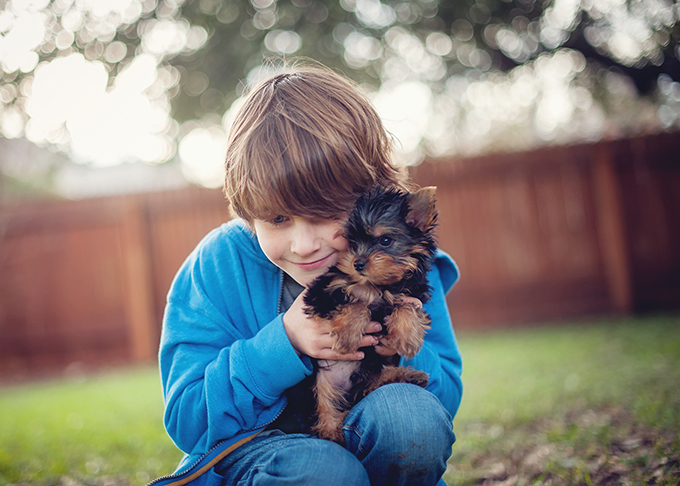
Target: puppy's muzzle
(359,265)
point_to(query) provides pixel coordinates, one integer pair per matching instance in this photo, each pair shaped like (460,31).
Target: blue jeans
(398,434)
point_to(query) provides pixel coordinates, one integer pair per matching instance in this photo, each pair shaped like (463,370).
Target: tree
(612,61)
(639,39)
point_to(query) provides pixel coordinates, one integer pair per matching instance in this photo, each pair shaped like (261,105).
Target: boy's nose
(305,241)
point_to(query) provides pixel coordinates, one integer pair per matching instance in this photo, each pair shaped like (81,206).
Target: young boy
(235,339)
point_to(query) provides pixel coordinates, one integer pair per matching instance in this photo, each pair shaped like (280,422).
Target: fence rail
(545,235)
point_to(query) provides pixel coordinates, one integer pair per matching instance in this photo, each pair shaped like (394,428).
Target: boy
(236,341)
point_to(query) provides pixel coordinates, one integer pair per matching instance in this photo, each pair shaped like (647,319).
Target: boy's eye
(385,241)
(278,219)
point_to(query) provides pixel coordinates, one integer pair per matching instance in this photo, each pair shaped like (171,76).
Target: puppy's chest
(378,301)
(339,373)
(370,295)
(363,293)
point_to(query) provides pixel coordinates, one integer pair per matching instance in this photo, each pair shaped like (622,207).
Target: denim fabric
(398,435)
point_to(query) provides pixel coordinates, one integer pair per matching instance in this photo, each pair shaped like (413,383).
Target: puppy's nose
(359,265)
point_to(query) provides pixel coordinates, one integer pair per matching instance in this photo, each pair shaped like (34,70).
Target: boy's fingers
(373,327)
(369,341)
(383,350)
(329,341)
(366,341)
(334,355)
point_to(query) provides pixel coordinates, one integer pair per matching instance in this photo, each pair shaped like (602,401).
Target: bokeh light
(110,81)
(202,152)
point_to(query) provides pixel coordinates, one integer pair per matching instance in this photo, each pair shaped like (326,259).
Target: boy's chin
(307,278)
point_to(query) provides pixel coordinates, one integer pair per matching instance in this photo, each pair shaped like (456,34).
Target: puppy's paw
(405,345)
(347,327)
(406,328)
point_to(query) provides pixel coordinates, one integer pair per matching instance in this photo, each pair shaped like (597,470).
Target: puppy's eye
(385,241)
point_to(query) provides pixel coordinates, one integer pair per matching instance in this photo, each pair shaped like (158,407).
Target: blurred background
(551,130)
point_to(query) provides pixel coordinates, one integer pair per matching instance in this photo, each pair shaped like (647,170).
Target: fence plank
(139,303)
(611,231)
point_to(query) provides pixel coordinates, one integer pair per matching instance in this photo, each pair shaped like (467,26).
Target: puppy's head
(390,235)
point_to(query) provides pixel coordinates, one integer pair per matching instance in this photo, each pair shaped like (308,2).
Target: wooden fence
(546,235)
(562,232)
(85,281)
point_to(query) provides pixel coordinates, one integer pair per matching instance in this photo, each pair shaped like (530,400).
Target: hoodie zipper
(198,461)
(280,302)
(185,471)
(219,443)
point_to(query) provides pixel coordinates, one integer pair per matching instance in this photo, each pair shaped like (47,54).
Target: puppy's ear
(422,213)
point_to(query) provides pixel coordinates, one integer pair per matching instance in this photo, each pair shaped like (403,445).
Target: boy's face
(304,248)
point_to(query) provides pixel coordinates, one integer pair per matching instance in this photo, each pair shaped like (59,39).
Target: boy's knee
(318,461)
(408,404)
(402,434)
(403,416)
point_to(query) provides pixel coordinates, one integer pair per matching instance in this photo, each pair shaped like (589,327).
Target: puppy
(391,247)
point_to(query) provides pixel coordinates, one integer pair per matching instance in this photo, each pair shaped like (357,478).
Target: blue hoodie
(225,357)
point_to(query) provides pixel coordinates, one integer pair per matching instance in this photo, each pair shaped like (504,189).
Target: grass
(595,403)
(104,429)
(590,403)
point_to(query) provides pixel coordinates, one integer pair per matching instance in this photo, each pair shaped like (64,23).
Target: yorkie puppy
(391,247)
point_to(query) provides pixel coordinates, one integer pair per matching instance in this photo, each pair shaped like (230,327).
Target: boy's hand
(311,336)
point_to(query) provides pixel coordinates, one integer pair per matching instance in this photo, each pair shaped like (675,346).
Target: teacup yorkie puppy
(391,247)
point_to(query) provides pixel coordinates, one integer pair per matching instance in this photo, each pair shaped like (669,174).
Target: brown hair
(306,143)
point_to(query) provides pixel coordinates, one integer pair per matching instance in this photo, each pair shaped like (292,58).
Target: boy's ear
(422,213)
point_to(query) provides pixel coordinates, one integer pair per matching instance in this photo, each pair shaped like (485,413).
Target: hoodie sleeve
(225,358)
(439,356)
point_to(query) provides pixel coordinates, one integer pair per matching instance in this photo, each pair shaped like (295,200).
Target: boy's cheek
(343,244)
(268,241)
(339,239)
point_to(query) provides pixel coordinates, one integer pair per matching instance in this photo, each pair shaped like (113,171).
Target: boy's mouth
(315,264)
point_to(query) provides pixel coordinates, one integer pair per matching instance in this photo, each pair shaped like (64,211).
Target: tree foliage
(638,38)
(208,50)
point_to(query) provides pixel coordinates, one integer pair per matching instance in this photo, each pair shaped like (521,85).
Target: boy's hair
(306,143)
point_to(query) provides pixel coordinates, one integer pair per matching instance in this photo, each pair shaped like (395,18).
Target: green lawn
(104,429)
(587,403)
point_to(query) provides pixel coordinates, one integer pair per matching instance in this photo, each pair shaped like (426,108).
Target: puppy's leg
(396,374)
(331,407)
(406,328)
(403,374)
(348,326)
